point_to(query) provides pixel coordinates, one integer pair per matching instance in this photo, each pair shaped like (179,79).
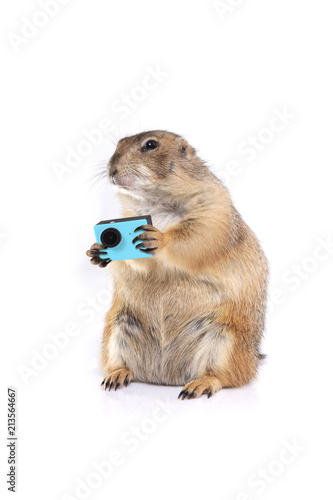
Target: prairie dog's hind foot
(119,378)
(206,385)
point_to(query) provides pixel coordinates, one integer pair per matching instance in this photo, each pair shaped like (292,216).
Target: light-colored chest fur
(162,216)
(164,212)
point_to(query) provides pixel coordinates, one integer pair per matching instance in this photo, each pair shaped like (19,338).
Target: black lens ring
(106,234)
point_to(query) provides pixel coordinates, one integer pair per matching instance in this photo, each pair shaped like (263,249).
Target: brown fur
(194,313)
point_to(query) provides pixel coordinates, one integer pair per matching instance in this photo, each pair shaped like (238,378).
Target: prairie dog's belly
(166,332)
(172,295)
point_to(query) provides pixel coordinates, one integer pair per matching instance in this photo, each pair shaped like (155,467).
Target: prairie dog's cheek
(147,174)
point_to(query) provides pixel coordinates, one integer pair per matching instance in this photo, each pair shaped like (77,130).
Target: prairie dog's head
(152,163)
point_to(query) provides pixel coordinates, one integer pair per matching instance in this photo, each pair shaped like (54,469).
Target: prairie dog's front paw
(118,378)
(95,252)
(149,241)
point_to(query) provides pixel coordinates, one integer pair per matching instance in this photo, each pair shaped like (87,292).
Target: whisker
(97,178)
(98,170)
(111,137)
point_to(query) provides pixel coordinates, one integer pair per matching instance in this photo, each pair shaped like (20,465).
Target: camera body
(118,234)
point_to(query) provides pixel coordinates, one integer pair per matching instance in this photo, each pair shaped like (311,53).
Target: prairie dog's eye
(149,145)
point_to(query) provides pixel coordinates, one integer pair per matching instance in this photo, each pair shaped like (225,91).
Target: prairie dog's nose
(113,164)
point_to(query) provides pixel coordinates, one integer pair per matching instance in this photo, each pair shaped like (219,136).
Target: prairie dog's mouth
(129,180)
(123,182)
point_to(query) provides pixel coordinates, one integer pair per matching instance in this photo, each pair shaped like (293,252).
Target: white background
(223,77)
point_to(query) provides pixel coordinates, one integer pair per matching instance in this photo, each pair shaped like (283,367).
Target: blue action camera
(117,236)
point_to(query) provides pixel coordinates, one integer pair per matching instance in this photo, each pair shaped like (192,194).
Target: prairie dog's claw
(117,379)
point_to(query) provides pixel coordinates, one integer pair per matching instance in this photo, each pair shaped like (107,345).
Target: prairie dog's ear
(185,149)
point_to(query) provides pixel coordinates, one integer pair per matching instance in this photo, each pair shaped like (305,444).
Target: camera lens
(110,237)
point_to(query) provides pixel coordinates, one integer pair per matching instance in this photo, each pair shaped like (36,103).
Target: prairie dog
(193,314)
